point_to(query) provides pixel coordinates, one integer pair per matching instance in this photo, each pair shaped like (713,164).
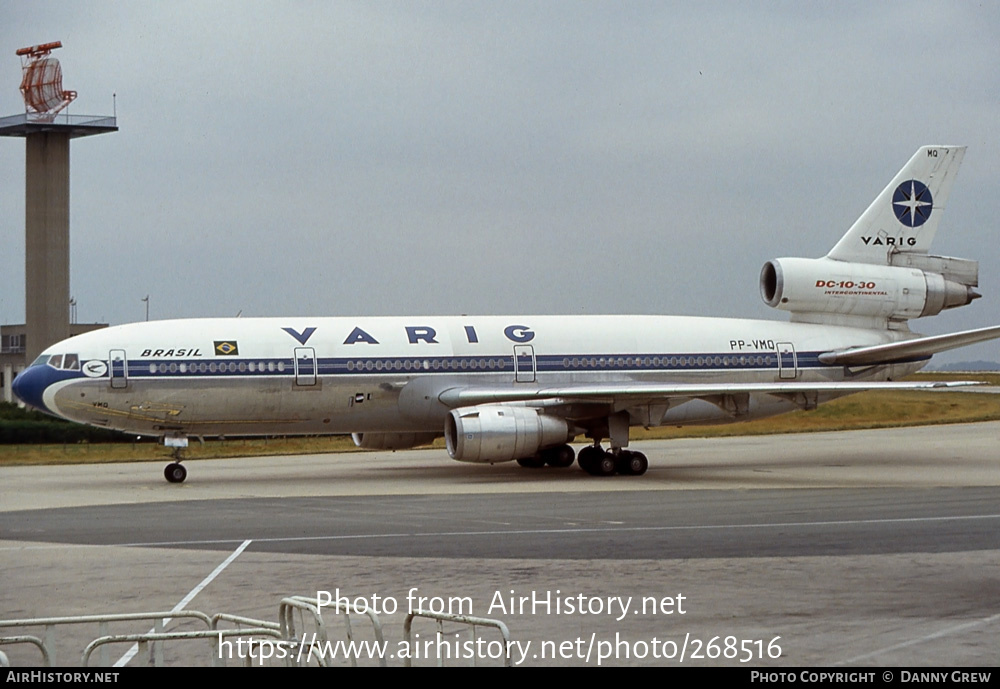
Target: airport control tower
(47,131)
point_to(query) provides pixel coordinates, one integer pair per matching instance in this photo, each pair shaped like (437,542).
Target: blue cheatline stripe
(544,363)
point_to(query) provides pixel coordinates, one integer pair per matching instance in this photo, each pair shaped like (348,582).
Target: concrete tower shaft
(46,279)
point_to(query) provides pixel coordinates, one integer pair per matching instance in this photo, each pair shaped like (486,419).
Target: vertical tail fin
(905,216)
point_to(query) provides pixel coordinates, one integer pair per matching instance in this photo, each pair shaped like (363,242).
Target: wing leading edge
(637,392)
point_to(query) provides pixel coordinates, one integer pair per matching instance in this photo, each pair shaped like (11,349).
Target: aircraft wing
(636,392)
(908,349)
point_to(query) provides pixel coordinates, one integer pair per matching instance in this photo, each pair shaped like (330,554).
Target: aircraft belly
(227,407)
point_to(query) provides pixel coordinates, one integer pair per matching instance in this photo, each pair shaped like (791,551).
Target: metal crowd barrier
(468,620)
(284,640)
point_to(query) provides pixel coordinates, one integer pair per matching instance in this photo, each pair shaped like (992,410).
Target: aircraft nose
(30,384)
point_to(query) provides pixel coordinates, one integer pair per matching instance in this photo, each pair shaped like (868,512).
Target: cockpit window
(66,362)
(41,360)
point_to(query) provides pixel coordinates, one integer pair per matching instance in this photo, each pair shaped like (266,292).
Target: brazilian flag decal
(226,348)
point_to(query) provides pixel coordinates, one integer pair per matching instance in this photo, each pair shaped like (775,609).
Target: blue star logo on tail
(912,203)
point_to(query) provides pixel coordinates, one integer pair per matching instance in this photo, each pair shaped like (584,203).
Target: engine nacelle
(392,441)
(807,286)
(501,433)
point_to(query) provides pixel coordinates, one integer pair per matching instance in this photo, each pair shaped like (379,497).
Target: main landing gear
(592,459)
(598,462)
(617,460)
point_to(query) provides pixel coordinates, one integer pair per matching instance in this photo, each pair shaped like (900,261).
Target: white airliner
(503,388)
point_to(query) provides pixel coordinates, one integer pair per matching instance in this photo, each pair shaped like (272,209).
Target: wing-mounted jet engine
(501,433)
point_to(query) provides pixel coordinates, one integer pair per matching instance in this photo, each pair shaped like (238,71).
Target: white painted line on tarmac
(929,637)
(519,532)
(187,599)
(570,530)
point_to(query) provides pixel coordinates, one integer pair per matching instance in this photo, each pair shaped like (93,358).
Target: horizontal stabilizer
(909,349)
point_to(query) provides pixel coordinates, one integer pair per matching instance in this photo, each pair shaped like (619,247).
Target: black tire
(632,463)
(606,465)
(533,462)
(588,457)
(559,457)
(175,472)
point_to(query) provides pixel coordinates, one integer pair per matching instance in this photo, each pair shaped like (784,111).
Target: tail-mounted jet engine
(915,285)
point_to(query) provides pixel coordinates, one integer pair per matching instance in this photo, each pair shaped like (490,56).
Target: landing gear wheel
(175,472)
(533,462)
(606,465)
(631,463)
(588,458)
(559,457)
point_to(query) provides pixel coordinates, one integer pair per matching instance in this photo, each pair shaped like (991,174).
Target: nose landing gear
(175,472)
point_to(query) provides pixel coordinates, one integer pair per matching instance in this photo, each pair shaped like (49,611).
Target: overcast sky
(320,158)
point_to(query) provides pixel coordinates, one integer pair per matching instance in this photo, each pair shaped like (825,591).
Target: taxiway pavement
(865,547)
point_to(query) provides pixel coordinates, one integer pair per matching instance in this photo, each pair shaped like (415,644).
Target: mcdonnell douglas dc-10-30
(504,388)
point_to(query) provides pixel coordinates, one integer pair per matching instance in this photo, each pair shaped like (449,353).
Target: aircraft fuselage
(287,376)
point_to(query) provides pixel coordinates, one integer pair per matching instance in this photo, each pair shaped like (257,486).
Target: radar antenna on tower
(47,128)
(41,84)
